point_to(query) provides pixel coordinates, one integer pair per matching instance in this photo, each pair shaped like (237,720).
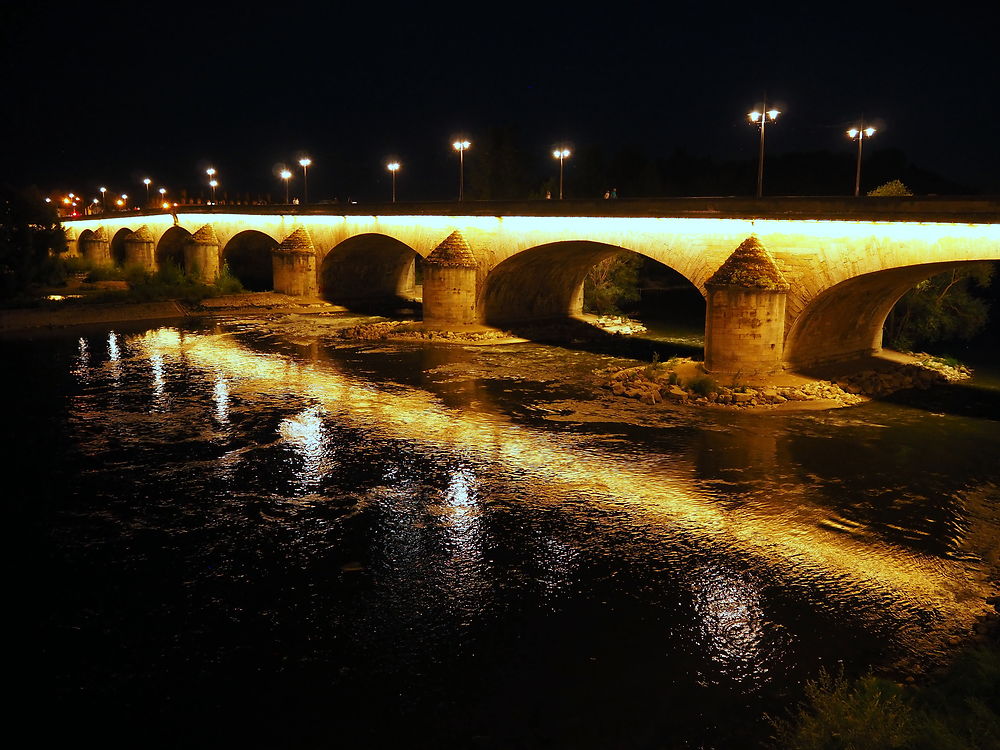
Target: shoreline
(676,383)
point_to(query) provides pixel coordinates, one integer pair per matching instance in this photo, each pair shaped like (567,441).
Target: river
(244,533)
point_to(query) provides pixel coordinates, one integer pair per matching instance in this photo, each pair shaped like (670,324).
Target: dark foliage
(30,237)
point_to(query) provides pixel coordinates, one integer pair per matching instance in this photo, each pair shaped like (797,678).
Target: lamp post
(760,119)
(561,154)
(393,167)
(163,197)
(461,147)
(212,182)
(125,201)
(859,135)
(146,182)
(104,201)
(304,162)
(286,175)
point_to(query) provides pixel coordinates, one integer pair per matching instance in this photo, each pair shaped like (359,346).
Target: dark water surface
(248,535)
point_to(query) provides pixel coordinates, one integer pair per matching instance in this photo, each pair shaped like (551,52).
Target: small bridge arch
(369,268)
(248,256)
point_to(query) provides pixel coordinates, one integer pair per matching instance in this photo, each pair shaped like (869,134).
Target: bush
(703,385)
(959,710)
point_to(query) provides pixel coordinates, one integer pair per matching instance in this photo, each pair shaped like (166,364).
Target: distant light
(146,182)
(869,132)
(71,195)
(773,114)
(120,202)
(124,197)
(163,191)
(166,205)
(461,145)
(561,153)
(103,190)
(853,133)
(754,116)
(213,183)
(392,166)
(285,174)
(48,200)
(96,200)
(210,171)
(305,161)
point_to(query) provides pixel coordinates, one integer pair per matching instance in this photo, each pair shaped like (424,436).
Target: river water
(251,534)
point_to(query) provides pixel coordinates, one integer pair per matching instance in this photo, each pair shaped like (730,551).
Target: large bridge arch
(545,281)
(369,267)
(248,256)
(170,248)
(118,246)
(845,320)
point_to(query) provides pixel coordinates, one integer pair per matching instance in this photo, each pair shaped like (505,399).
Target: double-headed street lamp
(285,175)
(859,134)
(561,154)
(461,147)
(304,162)
(393,167)
(212,182)
(760,119)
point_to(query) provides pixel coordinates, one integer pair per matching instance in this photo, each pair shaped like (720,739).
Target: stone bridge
(788,282)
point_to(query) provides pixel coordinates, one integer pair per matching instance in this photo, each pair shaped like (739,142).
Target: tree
(895,188)
(945,307)
(30,235)
(611,283)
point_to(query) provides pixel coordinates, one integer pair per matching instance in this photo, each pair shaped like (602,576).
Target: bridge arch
(170,248)
(545,281)
(845,320)
(118,246)
(369,268)
(248,255)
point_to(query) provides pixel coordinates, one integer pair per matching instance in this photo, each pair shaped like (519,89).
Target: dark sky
(108,93)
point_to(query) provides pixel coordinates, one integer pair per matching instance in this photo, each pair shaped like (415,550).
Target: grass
(957,710)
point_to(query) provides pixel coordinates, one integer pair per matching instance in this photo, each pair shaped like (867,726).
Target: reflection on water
(453,530)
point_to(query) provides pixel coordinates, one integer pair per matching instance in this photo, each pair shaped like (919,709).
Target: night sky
(108,94)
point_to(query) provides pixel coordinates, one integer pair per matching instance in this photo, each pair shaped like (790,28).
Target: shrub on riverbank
(959,710)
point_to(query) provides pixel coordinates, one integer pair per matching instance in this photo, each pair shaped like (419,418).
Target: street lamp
(304,162)
(212,181)
(286,175)
(104,201)
(163,197)
(125,201)
(561,154)
(393,167)
(461,147)
(146,183)
(859,134)
(761,118)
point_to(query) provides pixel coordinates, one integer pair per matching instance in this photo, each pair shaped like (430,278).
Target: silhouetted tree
(29,236)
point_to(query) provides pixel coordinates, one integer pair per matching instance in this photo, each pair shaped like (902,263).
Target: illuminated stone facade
(846,261)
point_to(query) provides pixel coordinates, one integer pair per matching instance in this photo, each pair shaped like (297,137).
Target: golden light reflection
(113,352)
(792,544)
(156,361)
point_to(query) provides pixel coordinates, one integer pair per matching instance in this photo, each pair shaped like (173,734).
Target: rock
(742,398)
(676,393)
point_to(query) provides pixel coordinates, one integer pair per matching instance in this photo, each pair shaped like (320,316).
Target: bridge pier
(72,242)
(140,249)
(450,283)
(96,248)
(294,265)
(201,255)
(745,316)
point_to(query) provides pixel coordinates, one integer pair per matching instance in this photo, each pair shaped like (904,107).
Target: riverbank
(678,382)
